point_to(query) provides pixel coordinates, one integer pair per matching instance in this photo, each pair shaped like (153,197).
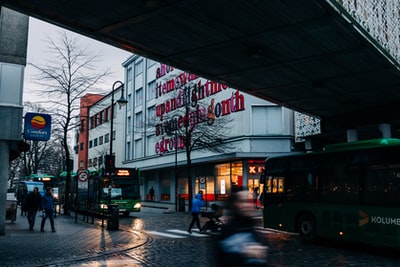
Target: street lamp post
(122,102)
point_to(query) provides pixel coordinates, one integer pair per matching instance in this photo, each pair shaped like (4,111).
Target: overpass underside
(308,55)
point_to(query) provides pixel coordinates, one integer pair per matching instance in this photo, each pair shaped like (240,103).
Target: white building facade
(100,132)
(246,128)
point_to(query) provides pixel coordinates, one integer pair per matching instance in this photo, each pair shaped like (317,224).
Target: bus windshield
(124,184)
(116,193)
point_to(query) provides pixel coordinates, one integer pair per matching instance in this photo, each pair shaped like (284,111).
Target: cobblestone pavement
(284,249)
(154,238)
(72,241)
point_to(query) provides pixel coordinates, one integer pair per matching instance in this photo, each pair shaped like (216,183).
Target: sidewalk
(72,241)
(75,241)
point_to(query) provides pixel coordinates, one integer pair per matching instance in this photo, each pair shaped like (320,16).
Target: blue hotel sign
(37,127)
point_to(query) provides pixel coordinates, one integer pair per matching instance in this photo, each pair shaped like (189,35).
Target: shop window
(229,178)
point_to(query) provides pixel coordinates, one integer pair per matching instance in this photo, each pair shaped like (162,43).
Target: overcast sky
(39,31)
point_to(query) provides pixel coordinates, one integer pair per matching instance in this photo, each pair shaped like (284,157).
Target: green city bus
(348,192)
(122,188)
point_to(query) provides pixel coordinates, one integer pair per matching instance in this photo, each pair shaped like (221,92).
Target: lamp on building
(122,102)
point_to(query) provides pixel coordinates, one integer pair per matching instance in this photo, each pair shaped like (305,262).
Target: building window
(92,122)
(100,115)
(90,164)
(90,143)
(267,120)
(82,128)
(129,125)
(100,161)
(228,174)
(139,67)
(139,97)
(95,142)
(151,115)
(129,107)
(95,162)
(138,148)
(138,122)
(105,115)
(151,90)
(106,138)
(81,164)
(129,74)
(100,140)
(81,146)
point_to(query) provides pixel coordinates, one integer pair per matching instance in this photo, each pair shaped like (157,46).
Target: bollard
(181,206)
(113,217)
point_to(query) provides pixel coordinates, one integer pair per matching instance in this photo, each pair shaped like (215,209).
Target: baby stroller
(213,224)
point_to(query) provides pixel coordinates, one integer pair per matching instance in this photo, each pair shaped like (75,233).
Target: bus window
(281,184)
(268,186)
(275,184)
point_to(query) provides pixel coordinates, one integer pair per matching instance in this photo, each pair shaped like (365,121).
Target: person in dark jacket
(32,205)
(151,194)
(196,205)
(47,209)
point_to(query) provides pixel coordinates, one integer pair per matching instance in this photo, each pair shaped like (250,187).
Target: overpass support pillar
(13,50)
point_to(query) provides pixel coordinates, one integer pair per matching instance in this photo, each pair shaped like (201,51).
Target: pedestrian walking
(151,194)
(47,209)
(255,196)
(197,203)
(240,244)
(32,204)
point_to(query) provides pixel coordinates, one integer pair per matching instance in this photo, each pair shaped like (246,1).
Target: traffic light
(109,163)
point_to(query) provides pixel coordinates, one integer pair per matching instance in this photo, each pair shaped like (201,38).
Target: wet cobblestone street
(160,240)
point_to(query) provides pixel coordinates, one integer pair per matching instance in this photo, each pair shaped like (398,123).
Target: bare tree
(195,126)
(70,72)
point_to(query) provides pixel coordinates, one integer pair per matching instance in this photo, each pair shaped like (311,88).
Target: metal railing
(90,211)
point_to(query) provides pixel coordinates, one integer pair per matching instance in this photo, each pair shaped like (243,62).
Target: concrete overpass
(303,54)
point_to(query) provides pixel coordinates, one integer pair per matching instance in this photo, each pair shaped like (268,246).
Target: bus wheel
(307,227)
